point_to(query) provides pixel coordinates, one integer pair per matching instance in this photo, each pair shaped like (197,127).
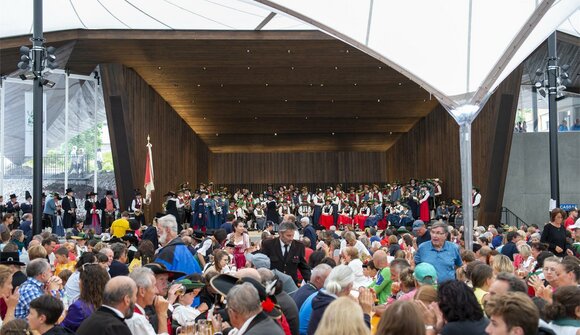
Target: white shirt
(289,246)
(244,327)
(72,289)
(138,323)
(359,246)
(183,314)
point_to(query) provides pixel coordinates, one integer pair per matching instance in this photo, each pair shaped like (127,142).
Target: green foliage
(86,141)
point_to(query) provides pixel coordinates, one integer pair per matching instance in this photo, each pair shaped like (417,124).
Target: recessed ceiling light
(378,100)
(216,134)
(198,85)
(204,117)
(248,50)
(336,67)
(306,118)
(159,68)
(292,68)
(355,84)
(204,68)
(390,133)
(285,100)
(249,68)
(321,85)
(275,134)
(289,51)
(400,84)
(266,84)
(380,67)
(332,100)
(255,117)
(239,101)
(347,51)
(332,134)
(221,85)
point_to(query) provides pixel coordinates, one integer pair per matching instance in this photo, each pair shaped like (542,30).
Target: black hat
(91,193)
(13,196)
(159,269)
(198,235)
(159,215)
(129,236)
(109,192)
(27,195)
(204,191)
(223,283)
(10,258)
(138,192)
(43,195)
(169,194)
(68,190)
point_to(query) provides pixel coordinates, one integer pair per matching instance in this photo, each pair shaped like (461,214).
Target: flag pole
(149,176)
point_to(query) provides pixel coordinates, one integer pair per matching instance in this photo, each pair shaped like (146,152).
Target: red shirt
(569,222)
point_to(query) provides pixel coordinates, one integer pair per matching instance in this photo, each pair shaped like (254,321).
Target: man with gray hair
(40,281)
(261,261)
(317,278)
(147,296)
(440,253)
(308,231)
(174,254)
(245,312)
(287,255)
(118,304)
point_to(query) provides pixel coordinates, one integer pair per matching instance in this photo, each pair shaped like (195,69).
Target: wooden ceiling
(253,91)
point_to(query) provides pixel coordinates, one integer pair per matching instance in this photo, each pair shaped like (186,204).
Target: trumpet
(138,212)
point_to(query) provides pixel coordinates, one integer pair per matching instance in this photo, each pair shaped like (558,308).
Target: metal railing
(510,218)
(79,167)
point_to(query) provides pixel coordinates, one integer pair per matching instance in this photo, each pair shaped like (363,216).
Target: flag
(149,186)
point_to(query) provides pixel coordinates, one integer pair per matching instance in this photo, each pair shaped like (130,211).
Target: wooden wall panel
(305,167)
(178,153)
(431,149)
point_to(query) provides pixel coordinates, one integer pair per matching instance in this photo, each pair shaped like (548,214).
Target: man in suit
(69,207)
(118,304)
(108,206)
(286,254)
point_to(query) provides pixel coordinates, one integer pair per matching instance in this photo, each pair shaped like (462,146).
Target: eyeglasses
(438,233)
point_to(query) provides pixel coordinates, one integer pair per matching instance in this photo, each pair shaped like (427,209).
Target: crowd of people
(295,276)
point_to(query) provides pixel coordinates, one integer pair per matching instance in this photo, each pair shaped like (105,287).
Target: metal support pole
(553,116)
(466,181)
(3,84)
(38,57)
(95,137)
(535,108)
(66,149)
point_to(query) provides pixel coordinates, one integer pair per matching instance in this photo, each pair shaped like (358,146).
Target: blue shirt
(305,314)
(30,290)
(444,260)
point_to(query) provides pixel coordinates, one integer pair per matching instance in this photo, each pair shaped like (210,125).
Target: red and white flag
(149,186)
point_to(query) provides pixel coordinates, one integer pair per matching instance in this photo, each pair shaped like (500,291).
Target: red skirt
(424,212)
(326,221)
(360,221)
(382,225)
(344,219)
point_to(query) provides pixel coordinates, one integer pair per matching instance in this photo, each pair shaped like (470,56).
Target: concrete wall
(527,189)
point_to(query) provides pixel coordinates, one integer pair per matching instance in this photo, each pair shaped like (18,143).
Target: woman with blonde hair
(10,298)
(343,317)
(502,263)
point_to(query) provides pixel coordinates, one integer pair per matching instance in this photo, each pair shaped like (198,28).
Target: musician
(361,217)
(224,205)
(180,207)
(442,212)
(318,201)
(187,206)
(69,207)
(13,206)
(200,212)
(93,213)
(171,203)
(137,207)
(475,201)
(335,203)
(260,216)
(26,206)
(272,211)
(424,195)
(352,197)
(326,218)
(345,215)
(376,194)
(108,207)
(284,208)
(213,221)
(305,209)
(406,216)
(219,208)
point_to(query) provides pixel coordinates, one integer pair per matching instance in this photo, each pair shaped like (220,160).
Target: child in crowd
(182,310)
(44,314)
(63,261)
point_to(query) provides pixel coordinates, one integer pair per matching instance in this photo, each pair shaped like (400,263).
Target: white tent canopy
(460,50)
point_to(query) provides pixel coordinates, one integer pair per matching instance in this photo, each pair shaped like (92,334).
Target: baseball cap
(259,260)
(425,274)
(418,224)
